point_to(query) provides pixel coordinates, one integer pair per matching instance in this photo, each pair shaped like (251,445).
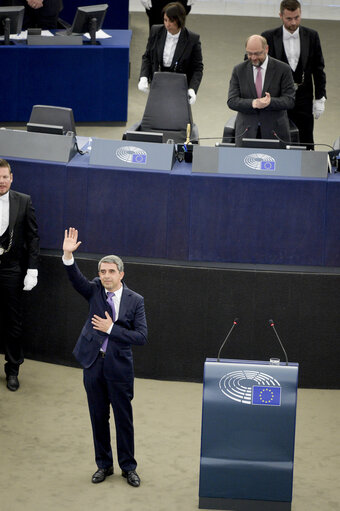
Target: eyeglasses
(254,53)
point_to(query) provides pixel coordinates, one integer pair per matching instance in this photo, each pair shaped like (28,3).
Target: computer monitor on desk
(144,136)
(89,19)
(11,19)
(263,143)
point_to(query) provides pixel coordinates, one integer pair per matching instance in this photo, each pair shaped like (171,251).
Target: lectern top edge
(249,362)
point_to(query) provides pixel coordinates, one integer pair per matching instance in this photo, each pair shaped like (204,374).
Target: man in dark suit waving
(116,320)
(19,253)
(301,48)
(261,90)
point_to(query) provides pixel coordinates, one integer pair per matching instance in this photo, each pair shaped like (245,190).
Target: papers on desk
(100,34)
(23,35)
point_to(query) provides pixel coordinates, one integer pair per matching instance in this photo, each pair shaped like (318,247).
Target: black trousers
(304,121)
(46,17)
(101,393)
(11,289)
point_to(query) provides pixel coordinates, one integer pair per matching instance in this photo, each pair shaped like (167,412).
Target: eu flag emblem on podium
(266,395)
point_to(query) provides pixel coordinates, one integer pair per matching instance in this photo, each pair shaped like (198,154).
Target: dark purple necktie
(258,82)
(112,305)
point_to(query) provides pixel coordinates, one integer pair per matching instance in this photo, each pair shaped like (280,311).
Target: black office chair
(53,116)
(229,131)
(167,109)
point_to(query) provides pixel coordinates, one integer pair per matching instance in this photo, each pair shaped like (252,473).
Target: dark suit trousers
(101,392)
(304,121)
(11,285)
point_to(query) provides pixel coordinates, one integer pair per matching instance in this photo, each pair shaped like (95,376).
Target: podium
(248,433)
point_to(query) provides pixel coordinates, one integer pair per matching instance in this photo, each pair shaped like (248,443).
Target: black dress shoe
(132,477)
(101,474)
(12,382)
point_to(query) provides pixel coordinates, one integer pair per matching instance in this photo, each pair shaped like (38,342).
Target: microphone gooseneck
(272,324)
(235,323)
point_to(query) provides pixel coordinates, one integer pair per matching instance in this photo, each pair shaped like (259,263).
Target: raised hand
(71,242)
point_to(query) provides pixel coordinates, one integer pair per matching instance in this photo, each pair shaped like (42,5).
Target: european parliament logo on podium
(248,433)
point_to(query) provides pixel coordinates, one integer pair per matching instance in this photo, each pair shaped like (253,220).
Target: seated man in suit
(300,47)
(116,320)
(261,90)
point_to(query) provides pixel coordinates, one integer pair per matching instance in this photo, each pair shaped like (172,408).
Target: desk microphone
(271,323)
(235,323)
(300,145)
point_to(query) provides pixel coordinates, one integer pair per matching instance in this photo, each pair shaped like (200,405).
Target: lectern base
(243,505)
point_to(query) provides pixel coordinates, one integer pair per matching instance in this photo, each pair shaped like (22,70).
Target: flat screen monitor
(89,19)
(51,129)
(263,143)
(11,19)
(144,136)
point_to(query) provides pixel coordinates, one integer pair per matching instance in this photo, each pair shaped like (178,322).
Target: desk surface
(182,216)
(84,78)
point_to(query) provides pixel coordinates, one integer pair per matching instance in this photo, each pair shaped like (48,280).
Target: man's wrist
(68,261)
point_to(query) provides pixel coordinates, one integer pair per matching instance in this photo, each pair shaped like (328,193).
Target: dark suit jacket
(187,58)
(24,252)
(130,327)
(279,83)
(311,59)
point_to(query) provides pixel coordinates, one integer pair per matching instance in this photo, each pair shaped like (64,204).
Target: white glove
(143,84)
(31,280)
(147,3)
(191,96)
(318,107)
(190,2)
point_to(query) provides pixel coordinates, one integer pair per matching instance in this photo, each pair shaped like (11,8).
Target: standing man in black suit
(19,252)
(116,320)
(261,90)
(301,48)
(38,13)
(172,47)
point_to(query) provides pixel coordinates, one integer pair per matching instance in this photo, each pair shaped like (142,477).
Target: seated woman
(172,47)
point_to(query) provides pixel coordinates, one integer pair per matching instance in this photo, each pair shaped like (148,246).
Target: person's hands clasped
(35,4)
(262,102)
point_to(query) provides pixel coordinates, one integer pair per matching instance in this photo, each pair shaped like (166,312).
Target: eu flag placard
(139,158)
(266,395)
(267,165)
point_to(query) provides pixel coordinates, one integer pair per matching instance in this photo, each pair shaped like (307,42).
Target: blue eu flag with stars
(266,395)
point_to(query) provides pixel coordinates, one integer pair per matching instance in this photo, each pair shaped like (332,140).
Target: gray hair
(112,259)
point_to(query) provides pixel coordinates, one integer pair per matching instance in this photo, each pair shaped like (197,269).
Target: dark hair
(290,5)
(175,12)
(4,163)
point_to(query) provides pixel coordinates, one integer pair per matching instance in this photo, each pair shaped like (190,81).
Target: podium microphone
(235,323)
(271,323)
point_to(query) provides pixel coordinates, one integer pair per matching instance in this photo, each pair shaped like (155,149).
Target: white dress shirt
(4,212)
(169,48)
(291,43)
